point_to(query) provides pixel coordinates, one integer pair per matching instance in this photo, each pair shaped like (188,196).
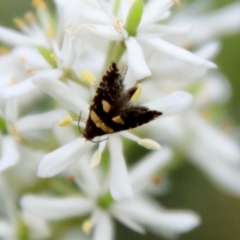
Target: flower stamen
(87,227)
(149,144)
(88,77)
(39,4)
(66,121)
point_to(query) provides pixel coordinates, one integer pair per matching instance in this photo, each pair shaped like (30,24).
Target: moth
(111,111)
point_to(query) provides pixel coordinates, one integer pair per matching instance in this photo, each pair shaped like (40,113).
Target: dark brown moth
(111,111)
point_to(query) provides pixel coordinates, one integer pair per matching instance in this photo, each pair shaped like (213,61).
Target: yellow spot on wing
(99,123)
(106,106)
(118,119)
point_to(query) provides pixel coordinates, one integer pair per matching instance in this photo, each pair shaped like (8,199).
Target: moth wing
(109,90)
(133,116)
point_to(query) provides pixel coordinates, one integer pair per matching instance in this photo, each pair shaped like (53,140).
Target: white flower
(14,129)
(63,157)
(149,33)
(138,213)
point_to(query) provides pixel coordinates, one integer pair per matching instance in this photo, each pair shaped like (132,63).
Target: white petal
(209,50)
(30,57)
(62,93)
(6,230)
(18,89)
(103,228)
(68,54)
(11,37)
(136,62)
(147,166)
(220,144)
(39,121)
(221,22)
(37,226)
(90,181)
(67,13)
(58,160)
(56,208)
(9,153)
(103,31)
(224,175)
(172,104)
(178,52)
(154,11)
(11,110)
(128,222)
(119,180)
(163,222)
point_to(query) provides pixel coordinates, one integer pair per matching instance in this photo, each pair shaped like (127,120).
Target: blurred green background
(190,188)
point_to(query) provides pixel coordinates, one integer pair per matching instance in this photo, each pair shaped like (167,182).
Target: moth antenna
(139,81)
(124,75)
(99,140)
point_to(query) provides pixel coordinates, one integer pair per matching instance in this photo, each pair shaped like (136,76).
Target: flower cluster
(49,76)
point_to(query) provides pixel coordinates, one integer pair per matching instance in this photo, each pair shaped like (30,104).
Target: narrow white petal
(62,93)
(40,121)
(136,62)
(6,230)
(58,160)
(14,38)
(223,174)
(160,221)
(103,31)
(38,226)
(18,89)
(119,180)
(178,52)
(221,22)
(11,110)
(147,166)
(128,222)
(219,143)
(103,228)
(56,208)
(154,11)
(89,181)
(172,104)
(68,55)
(9,153)
(209,50)
(31,57)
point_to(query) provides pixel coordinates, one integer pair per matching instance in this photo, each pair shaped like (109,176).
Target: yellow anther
(149,144)
(177,2)
(19,22)
(15,133)
(137,94)
(88,77)
(13,81)
(50,32)
(30,17)
(21,58)
(39,4)
(30,70)
(4,50)
(156,179)
(87,227)
(53,56)
(96,158)
(117,25)
(66,121)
